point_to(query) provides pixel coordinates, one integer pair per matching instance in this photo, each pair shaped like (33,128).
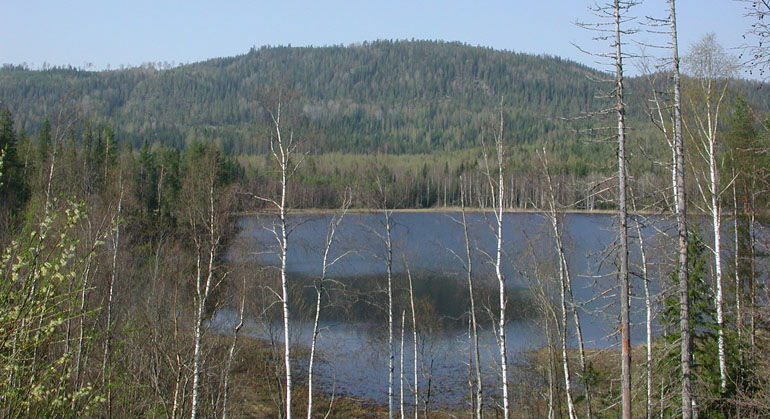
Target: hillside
(385,96)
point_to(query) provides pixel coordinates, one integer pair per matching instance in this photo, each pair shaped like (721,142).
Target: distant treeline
(411,180)
(391,97)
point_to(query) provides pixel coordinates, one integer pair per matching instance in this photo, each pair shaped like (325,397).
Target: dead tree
(625,302)
(612,28)
(688,400)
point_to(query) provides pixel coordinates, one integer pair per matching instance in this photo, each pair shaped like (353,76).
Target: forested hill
(395,97)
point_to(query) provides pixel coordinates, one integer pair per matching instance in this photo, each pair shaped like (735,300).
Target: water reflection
(354,351)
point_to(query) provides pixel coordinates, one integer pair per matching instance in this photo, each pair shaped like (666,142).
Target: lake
(354,348)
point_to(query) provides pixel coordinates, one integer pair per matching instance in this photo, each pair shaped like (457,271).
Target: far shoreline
(438,210)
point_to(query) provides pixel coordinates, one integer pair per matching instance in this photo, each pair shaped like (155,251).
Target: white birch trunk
(499,199)
(563,329)
(203,290)
(716,220)
(389,267)
(325,264)
(285,294)
(648,316)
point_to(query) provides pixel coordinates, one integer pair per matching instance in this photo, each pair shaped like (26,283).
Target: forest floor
(256,378)
(257,375)
(256,391)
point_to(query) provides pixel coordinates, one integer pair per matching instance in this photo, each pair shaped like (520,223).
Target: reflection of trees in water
(353,342)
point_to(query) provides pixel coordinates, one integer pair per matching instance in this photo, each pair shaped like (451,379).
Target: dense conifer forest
(400,97)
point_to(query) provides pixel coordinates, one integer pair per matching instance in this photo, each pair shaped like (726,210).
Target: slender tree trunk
(49,183)
(625,324)
(648,315)
(107,359)
(389,267)
(415,387)
(325,264)
(231,352)
(688,398)
(203,290)
(401,368)
(313,341)
(716,219)
(737,266)
(499,198)
(551,373)
(285,296)
(564,330)
(752,275)
(566,278)
(82,315)
(474,325)
(177,360)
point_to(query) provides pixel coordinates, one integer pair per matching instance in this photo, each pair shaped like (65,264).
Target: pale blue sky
(131,32)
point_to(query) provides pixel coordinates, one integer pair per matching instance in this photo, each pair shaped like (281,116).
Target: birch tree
(283,149)
(647,306)
(497,187)
(711,68)
(385,236)
(566,297)
(107,360)
(319,284)
(205,212)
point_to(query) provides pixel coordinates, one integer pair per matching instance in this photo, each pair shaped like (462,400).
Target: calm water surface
(354,353)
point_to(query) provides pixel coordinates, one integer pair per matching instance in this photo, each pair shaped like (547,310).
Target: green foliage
(13,186)
(39,284)
(704,332)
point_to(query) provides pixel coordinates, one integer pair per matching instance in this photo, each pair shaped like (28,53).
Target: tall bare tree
(612,27)
(468,263)
(319,285)
(625,303)
(567,296)
(283,149)
(205,212)
(688,398)
(107,360)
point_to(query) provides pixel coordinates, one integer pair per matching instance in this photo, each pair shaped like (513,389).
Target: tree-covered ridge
(384,96)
